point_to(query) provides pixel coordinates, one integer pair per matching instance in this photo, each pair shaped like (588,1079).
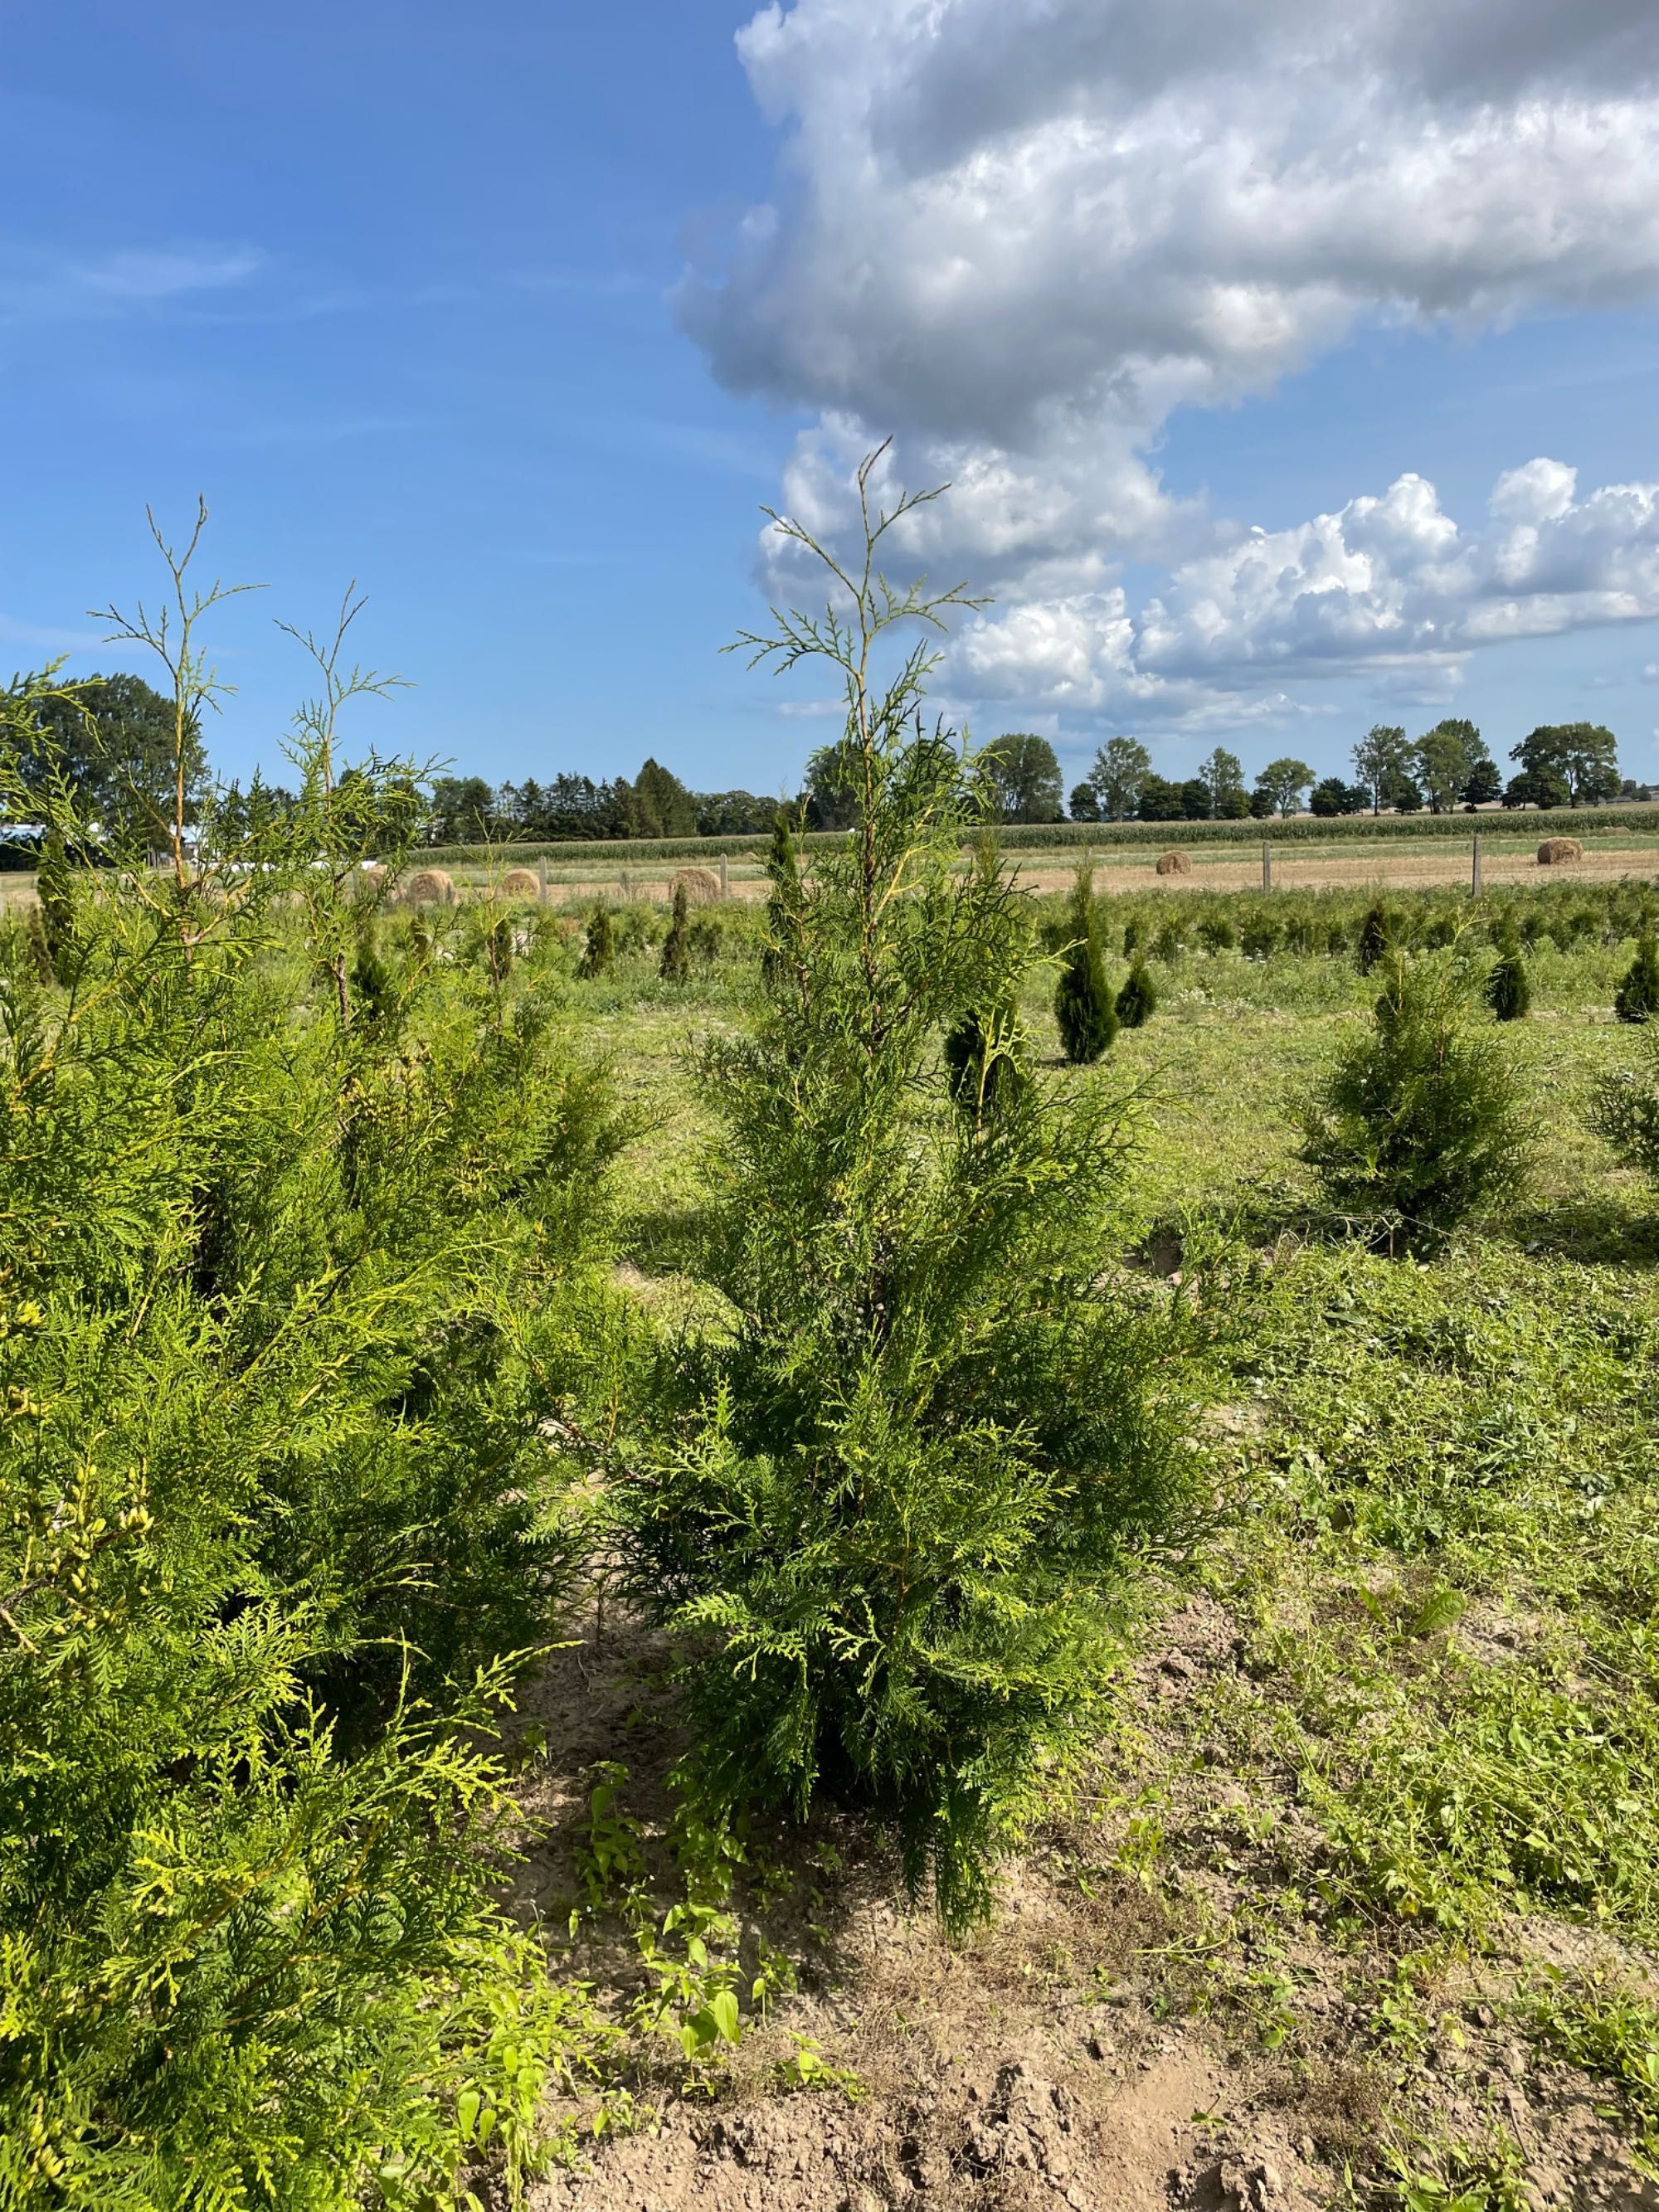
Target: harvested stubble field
(1399,863)
(1354,1900)
(1403,863)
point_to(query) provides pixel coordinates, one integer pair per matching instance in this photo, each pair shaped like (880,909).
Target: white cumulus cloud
(1019,234)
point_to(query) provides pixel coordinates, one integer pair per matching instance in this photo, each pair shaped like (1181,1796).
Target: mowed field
(1405,863)
(1400,864)
(1358,1899)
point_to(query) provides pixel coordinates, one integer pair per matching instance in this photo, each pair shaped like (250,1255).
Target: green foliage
(1223,777)
(1509,989)
(674,966)
(1118,776)
(1418,1123)
(783,905)
(1137,1002)
(1375,937)
(1282,783)
(1581,756)
(54,886)
(1448,759)
(599,951)
(1624,1110)
(1083,1005)
(110,742)
(985,1066)
(1636,998)
(290,1289)
(889,1526)
(1381,760)
(665,807)
(1025,777)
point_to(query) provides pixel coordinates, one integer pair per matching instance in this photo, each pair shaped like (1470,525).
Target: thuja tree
(1636,998)
(290,1287)
(892,1527)
(598,950)
(1083,1005)
(1418,1123)
(1624,1108)
(1137,1002)
(674,965)
(1509,989)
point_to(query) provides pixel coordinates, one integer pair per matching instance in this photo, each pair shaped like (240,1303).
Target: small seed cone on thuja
(1137,1002)
(1084,1007)
(1636,998)
(1509,990)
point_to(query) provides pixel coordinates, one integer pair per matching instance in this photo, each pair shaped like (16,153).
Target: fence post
(723,881)
(1267,865)
(1474,867)
(541,879)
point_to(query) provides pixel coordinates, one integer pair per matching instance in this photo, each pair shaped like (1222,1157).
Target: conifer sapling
(600,950)
(1509,989)
(1636,998)
(1137,1002)
(674,966)
(1084,1007)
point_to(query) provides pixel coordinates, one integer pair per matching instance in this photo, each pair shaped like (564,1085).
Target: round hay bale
(1173,864)
(1554,850)
(430,887)
(521,882)
(701,885)
(369,880)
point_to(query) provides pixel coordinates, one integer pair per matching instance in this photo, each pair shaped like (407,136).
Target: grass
(1433,1768)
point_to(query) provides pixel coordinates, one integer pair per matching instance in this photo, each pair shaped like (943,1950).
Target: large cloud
(1389,582)
(1019,233)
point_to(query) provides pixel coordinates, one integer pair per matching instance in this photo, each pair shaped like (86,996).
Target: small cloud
(304,436)
(35,637)
(1651,674)
(148,276)
(124,283)
(811,708)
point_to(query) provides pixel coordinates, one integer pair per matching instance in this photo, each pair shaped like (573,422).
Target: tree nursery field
(934,1540)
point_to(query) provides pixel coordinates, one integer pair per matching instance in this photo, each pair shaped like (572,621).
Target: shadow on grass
(669,1239)
(1598,1229)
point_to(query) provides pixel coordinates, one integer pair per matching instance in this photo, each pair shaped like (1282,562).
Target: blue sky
(404,291)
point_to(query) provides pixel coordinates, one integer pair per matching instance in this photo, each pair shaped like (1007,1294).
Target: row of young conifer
(320,1408)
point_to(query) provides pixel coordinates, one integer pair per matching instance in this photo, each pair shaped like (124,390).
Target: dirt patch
(1010,2137)
(1135,2031)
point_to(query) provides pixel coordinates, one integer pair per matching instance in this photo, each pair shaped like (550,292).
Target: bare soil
(1126,2036)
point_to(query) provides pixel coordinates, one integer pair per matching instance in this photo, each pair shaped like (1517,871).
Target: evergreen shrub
(1418,1123)
(599,951)
(1636,998)
(1509,989)
(1137,1002)
(674,965)
(891,1515)
(1375,939)
(1083,1005)
(303,1253)
(1624,1110)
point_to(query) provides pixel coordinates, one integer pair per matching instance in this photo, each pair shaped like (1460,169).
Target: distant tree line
(116,753)
(1562,764)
